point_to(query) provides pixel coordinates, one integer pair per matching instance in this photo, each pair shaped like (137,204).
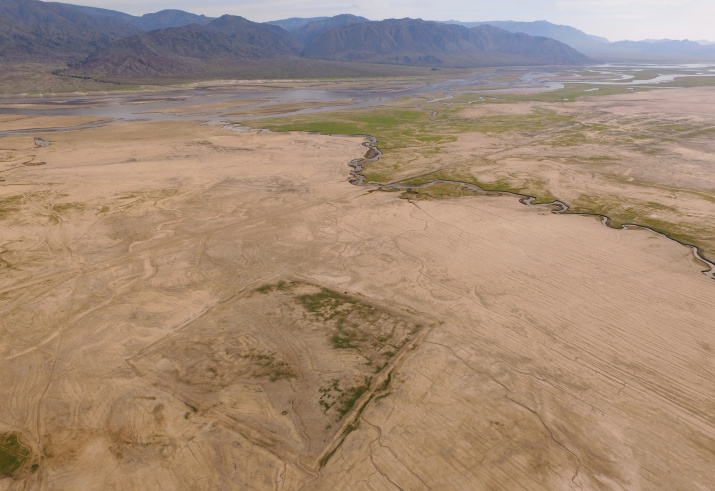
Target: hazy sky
(613,19)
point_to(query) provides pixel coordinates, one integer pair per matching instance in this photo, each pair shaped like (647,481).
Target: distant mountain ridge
(571,36)
(169,18)
(273,39)
(427,43)
(311,31)
(601,49)
(147,22)
(105,42)
(96,11)
(193,48)
(665,50)
(34,30)
(294,23)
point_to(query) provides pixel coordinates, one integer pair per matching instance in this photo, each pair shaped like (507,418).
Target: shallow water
(120,107)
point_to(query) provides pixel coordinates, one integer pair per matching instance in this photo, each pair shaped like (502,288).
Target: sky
(613,19)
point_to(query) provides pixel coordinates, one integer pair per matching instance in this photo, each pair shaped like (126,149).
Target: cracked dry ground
(146,339)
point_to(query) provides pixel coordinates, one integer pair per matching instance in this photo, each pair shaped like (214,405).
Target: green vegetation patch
(346,312)
(505,79)
(328,304)
(537,120)
(407,134)
(342,401)
(349,323)
(452,173)
(643,74)
(659,217)
(13,454)
(280,286)
(569,138)
(375,334)
(400,131)
(686,82)
(349,397)
(348,429)
(676,129)
(529,186)
(437,191)
(571,93)
(266,365)
(397,127)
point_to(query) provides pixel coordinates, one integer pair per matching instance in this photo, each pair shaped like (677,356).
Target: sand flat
(515,340)
(557,353)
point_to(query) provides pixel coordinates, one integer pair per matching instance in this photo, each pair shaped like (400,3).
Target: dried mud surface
(185,307)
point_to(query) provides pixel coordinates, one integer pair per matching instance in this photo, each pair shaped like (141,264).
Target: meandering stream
(558,207)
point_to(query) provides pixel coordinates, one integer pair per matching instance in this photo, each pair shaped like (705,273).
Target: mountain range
(418,42)
(309,32)
(579,40)
(601,49)
(193,48)
(102,42)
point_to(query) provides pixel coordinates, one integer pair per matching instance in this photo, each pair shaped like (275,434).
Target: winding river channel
(557,206)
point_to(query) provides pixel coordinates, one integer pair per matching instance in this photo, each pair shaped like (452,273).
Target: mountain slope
(167,51)
(266,36)
(33,30)
(424,43)
(225,42)
(307,33)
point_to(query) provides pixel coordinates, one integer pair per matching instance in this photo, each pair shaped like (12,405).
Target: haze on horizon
(613,19)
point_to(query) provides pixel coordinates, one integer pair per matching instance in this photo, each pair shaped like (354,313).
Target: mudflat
(188,307)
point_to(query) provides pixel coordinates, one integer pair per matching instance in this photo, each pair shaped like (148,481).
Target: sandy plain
(187,307)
